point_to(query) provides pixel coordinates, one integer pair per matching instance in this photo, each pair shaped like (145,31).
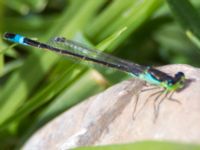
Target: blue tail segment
(14,38)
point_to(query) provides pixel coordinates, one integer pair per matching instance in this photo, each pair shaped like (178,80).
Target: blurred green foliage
(145,145)
(36,86)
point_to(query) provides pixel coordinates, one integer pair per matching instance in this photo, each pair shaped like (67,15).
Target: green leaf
(21,82)
(148,145)
(193,38)
(186,15)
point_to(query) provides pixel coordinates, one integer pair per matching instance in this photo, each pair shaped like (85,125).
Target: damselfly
(169,84)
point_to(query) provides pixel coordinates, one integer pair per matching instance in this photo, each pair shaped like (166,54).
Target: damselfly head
(179,79)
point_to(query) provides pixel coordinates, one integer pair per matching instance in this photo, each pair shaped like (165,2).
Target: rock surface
(107,117)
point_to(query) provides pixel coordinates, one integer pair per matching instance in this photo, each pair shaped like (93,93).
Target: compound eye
(179,75)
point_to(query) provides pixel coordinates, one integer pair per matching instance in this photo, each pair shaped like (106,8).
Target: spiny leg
(154,103)
(137,99)
(152,87)
(145,102)
(156,109)
(148,89)
(170,98)
(158,92)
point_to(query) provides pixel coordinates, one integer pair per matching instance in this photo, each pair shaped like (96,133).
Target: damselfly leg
(170,98)
(157,107)
(158,98)
(137,99)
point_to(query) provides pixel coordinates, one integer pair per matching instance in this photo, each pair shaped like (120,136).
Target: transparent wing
(97,56)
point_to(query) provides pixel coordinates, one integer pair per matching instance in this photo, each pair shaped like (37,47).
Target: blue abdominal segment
(149,78)
(15,38)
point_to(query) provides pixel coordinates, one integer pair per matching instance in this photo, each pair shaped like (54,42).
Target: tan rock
(107,117)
